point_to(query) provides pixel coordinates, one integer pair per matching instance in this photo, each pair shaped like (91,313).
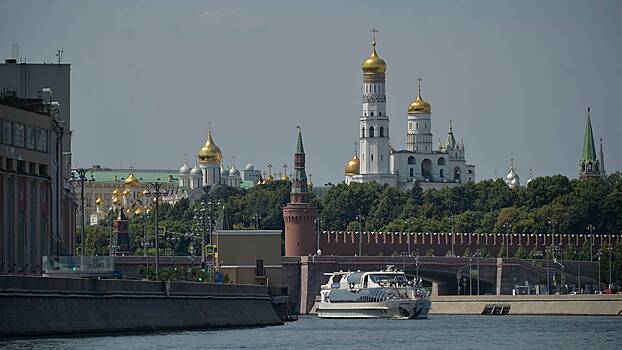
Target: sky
(516,77)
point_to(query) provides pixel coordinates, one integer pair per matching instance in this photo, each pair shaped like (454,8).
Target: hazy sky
(516,77)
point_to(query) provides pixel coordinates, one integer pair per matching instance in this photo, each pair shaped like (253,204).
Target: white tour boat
(377,294)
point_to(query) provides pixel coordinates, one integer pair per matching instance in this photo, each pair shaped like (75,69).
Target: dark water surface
(437,332)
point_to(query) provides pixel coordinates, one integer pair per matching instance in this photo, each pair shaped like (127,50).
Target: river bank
(39,306)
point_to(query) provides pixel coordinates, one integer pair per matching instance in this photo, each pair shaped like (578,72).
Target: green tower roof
(589,151)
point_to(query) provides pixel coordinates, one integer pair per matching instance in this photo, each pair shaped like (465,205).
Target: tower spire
(589,165)
(419,81)
(373,38)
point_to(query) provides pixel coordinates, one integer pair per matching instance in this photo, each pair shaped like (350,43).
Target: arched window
(381,131)
(363,132)
(426,168)
(411,160)
(371,130)
(380,114)
(372,114)
(441,161)
(412,172)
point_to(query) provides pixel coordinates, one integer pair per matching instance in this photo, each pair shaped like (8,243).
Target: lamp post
(599,283)
(360,219)
(578,271)
(257,218)
(548,285)
(157,189)
(417,265)
(508,228)
(407,222)
(470,278)
(79,175)
(199,215)
(478,253)
(451,218)
(590,228)
(318,223)
(610,250)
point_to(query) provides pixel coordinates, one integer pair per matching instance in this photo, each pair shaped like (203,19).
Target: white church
(378,161)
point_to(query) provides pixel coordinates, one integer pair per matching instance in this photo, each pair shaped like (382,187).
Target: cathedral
(377,160)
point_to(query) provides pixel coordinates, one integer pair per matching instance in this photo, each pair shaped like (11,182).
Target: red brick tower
(299,214)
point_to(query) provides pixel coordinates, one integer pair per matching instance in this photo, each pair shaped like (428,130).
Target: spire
(451,140)
(589,151)
(419,80)
(373,40)
(299,148)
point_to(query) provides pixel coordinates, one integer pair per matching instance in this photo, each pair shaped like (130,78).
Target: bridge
(446,275)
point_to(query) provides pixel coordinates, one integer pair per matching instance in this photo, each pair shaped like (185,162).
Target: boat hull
(393,309)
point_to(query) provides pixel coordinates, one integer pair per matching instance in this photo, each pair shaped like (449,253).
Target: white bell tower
(374,122)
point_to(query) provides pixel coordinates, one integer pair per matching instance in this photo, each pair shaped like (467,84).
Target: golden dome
(138,210)
(269,178)
(116,192)
(353,166)
(131,181)
(210,153)
(99,201)
(285,177)
(374,64)
(126,192)
(115,200)
(419,105)
(128,211)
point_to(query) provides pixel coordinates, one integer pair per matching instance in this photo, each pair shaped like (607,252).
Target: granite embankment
(36,306)
(568,305)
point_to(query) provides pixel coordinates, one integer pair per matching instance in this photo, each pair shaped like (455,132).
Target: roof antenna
(59,55)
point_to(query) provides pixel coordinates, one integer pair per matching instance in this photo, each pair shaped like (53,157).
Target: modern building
(591,166)
(299,214)
(30,201)
(379,161)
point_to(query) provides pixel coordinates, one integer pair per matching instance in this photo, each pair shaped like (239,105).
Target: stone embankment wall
(569,305)
(34,306)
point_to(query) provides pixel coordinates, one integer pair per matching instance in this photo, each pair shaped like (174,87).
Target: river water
(437,332)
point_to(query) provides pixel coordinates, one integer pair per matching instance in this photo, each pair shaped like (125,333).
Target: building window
(411,160)
(380,114)
(30,137)
(8,132)
(412,172)
(381,131)
(42,140)
(371,131)
(18,135)
(441,172)
(372,114)
(381,157)
(372,157)
(363,132)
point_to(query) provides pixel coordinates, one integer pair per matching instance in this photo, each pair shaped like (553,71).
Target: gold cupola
(99,201)
(419,105)
(374,64)
(131,181)
(116,192)
(353,166)
(210,153)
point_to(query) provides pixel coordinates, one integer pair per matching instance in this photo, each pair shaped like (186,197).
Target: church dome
(185,169)
(99,201)
(374,64)
(249,166)
(353,166)
(115,201)
(132,181)
(284,177)
(116,192)
(419,105)
(210,153)
(269,179)
(233,171)
(195,171)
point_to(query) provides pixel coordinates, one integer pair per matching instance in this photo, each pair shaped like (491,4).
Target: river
(437,332)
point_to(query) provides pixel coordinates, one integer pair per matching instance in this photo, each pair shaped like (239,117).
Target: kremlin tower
(299,215)
(590,166)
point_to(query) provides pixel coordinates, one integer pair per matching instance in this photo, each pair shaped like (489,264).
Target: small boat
(377,294)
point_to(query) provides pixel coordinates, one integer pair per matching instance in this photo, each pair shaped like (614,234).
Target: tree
(521,253)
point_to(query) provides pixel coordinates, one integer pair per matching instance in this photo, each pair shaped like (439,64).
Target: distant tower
(121,230)
(602,159)
(419,134)
(210,159)
(374,123)
(299,214)
(589,165)
(512,179)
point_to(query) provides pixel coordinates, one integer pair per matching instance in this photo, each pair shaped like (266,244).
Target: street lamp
(599,254)
(470,276)
(407,222)
(360,219)
(508,229)
(478,253)
(257,218)
(451,218)
(590,228)
(79,175)
(200,216)
(156,189)
(417,265)
(610,283)
(318,223)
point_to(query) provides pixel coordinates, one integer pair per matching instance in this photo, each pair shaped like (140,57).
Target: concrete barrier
(36,306)
(577,305)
